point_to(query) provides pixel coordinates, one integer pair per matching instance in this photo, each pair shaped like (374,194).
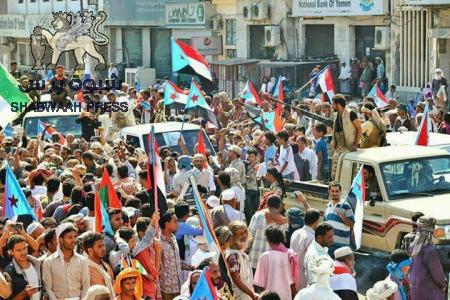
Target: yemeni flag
(423,134)
(155,176)
(377,95)
(106,191)
(12,100)
(101,217)
(187,60)
(249,94)
(196,104)
(174,96)
(326,83)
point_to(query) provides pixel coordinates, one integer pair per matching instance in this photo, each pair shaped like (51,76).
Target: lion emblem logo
(73,32)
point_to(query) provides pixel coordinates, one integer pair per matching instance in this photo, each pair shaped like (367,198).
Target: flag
(107,193)
(50,130)
(411,110)
(15,202)
(186,59)
(358,190)
(201,147)
(272,121)
(326,83)
(8,131)
(197,103)
(12,100)
(377,95)
(423,133)
(159,185)
(102,223)
(278,93)
(204,289)
(249,94)
(173,94)
(205,221)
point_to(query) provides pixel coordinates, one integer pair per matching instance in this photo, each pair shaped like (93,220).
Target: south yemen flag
(12,100)
(186,59)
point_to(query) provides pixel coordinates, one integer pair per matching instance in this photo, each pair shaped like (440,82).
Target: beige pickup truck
(410,179)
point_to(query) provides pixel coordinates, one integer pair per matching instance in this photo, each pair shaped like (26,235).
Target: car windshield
(64,124)
(170,139)
(419,177)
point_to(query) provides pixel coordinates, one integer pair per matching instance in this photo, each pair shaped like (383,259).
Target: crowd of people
(156,248)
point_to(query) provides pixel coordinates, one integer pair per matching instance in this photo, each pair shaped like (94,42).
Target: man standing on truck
(346,131)
(339,215)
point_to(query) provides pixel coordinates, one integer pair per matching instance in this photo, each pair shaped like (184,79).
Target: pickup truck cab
(167,134)
(409,178)
(63,122)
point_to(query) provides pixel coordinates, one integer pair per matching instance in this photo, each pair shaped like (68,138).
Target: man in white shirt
(323,239)
(204,176)
(223,214)
(300,241)
(309,155)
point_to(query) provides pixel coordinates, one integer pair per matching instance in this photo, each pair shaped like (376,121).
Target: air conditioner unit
(382,37)
(217,24)
(260,11)
(247,11)
(272,36)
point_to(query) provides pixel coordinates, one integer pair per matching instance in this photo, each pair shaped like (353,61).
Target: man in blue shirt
(323,168)
(339,215)
(184,229)
(271,151)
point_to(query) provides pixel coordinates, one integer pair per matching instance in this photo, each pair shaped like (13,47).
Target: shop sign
(21,26)
(211,45)
(185,14)
(329,8)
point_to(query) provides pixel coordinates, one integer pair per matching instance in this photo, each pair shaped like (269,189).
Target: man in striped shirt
(339,214)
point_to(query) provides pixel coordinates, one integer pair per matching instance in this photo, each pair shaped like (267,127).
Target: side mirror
(372,202)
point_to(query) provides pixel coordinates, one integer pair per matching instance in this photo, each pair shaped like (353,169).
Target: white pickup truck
(410,179)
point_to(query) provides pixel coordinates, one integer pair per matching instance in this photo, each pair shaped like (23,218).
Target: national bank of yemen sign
(329,8)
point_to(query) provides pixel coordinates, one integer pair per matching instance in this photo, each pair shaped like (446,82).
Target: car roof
(159,127)
(409,138)
(394,153)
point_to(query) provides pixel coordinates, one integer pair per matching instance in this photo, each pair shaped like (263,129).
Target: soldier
(346,131)
(373,129)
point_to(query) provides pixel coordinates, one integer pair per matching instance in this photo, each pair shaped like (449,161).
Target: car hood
(434,206)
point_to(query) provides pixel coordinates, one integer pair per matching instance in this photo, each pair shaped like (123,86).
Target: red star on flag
(13,201)
(173,96)
(195,98)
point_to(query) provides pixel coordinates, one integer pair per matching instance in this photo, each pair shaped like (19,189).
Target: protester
(342,281)
(398,268)
(382,290)
(300,241)
(277,268)
(427,277)
(323,238)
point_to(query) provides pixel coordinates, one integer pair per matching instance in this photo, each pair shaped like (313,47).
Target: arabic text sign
(21,26)
(305,8)
(182,14)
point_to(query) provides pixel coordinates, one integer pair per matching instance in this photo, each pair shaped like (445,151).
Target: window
(419,177)
(45,0)
(32,1)
(20,1)
(230,26)
(231,53)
